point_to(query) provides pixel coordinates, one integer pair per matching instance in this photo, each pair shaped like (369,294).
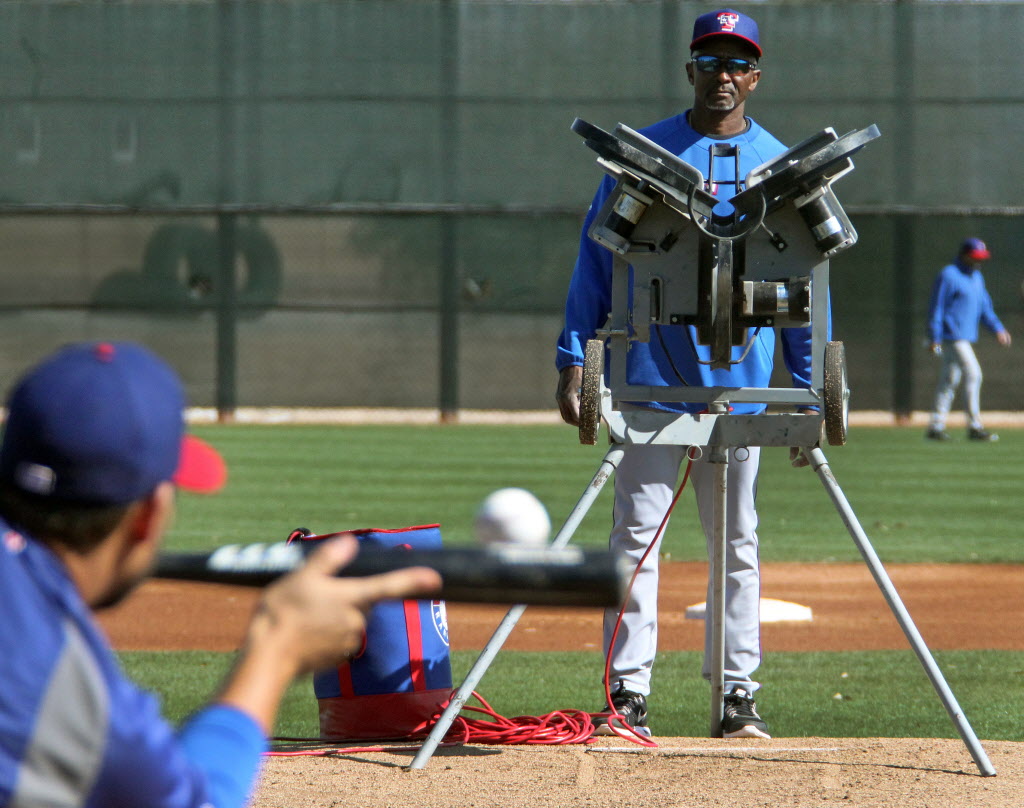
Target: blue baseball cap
(725,22)
(974,249)
(103,423)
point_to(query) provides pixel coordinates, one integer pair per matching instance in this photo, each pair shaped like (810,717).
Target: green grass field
(883,693)
(917,501)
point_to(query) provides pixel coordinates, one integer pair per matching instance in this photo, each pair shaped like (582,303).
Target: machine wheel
(836,394)
(590,393)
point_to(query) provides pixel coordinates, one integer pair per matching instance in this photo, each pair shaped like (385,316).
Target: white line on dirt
(662,750)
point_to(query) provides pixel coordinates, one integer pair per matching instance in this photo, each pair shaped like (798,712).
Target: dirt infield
(680,773)
(953,606)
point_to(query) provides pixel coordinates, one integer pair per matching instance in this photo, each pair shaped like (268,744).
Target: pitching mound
(680,773)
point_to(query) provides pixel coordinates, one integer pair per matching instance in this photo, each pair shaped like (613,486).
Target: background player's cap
(725,22)
(974,249)
(103,423)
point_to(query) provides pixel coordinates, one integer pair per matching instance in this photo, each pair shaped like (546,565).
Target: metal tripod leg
(820,465)
(440,729)
(714,610)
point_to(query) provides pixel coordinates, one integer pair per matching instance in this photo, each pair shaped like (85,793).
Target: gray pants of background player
(645,483)
(958,363)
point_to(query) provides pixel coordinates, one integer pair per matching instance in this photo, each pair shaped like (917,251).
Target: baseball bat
(535,576)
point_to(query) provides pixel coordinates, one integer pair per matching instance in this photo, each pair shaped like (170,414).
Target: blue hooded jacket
(959,302)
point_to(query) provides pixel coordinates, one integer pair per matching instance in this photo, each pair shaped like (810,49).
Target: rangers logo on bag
(440,616)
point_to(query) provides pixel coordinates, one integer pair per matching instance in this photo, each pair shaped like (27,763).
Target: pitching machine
(683,257)
(728,269)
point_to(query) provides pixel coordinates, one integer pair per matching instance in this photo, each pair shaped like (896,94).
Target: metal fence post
(227,317)
(903,326)
(449,167)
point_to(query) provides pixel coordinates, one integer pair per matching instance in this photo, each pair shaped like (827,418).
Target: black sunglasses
(729,64)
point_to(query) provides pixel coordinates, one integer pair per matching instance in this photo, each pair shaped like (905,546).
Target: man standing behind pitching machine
(93,450)
(959,303)
(723,71)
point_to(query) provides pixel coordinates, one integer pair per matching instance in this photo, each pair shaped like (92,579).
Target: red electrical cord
(559,727)
(620,727)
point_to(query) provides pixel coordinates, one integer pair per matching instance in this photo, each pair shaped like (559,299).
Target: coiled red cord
(559,727)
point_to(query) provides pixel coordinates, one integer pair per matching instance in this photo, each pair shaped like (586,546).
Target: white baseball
(512,516)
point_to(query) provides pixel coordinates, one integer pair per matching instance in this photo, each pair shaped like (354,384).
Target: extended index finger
(411,582)
(402,584)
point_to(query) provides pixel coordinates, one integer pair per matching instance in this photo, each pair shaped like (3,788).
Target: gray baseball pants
(958,363)
(645,483)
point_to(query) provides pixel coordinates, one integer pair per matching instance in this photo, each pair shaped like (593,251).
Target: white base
(772,611)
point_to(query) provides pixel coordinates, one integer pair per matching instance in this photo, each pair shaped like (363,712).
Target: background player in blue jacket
(723,71)
(959,303)
(93,450)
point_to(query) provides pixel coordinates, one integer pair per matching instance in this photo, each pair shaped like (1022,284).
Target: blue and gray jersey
(74,731)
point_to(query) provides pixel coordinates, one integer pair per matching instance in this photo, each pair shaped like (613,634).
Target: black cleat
(936,434)
(981,434)
(627,711)
(740,718)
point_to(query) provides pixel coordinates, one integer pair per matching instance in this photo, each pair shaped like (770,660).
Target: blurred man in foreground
(93,451)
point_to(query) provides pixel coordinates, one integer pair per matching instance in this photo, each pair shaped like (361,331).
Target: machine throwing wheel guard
(836,394)
(590,393)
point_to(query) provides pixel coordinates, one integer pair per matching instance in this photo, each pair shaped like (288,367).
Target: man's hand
(310,620)
(570,380)
(320,618)
(1004,339)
